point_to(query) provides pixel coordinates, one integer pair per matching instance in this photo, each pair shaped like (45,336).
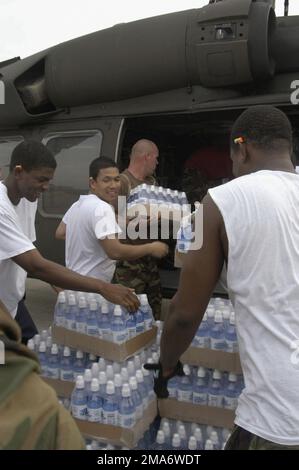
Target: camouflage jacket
(30,415)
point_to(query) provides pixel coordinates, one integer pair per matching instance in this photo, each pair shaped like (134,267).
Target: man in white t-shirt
(32,167)
(91,231)
(252,225)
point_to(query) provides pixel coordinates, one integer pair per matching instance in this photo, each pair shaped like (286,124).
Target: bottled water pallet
(117,435)
(212,359)
(211,415)
(105,349)
(155,210)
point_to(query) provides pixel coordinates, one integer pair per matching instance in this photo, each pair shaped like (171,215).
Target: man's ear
(18,170)
(91,183)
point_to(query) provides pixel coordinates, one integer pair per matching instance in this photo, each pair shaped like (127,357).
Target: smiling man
(91,231)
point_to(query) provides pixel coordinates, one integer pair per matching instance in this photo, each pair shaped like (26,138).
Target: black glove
(160,382)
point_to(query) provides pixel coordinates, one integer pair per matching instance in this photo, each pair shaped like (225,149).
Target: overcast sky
(29,26)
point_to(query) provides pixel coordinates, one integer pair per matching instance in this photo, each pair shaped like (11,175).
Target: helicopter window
(71,177)
(7,145)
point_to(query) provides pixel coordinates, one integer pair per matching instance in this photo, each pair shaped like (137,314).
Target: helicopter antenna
(286,7)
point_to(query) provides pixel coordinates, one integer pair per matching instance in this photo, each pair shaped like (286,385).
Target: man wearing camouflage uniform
(142,274)
(30,415)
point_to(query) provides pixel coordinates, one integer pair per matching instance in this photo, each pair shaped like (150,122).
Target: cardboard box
(117,435)
(221,360)
(211,415)
(99,347)
(63,388)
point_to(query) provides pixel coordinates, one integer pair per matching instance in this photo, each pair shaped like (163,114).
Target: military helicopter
(179,79)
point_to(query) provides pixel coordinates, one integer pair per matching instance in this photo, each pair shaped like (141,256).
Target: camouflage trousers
(143,276)
(240,439)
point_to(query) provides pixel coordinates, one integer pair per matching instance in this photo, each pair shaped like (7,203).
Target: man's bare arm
(118,251)
(61,231)
(199,275)
(53,273)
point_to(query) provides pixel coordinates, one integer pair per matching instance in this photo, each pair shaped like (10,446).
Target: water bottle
(66,366)
(95,370)
(131,326)
(110,406)
(215,397)
(215,440)
(160,443)
(217,333)
(103,384)
(81,316)
(202,337)
(200,388)
(79,364)
(60,309)
(230,399)
(109,372)
(124,375)
(104,323)
(142,389)
(147,312)
(94,403)
(136,397)
(53,363)
(118,384)
(116,367)
(127,412)
(36,340)
(210,316)
(184,236)
(139,359)
(71,313)
(184,392)
(231,335)
(226,318)
(209,445)
(87,381)
(183,435)
(102,364)
(176,442)
(92,359)
(92,319)
(167,433)
(118,326)
(42,356)
(31,345)
(49,345)
(148,380)
(79,400)
(198,436)
(192,444)
(139,321)
(131,368)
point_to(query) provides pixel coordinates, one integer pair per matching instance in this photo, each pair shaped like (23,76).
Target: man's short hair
(99,164)
(32,155)
(266,127)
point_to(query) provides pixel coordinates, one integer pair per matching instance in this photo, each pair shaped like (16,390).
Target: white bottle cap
(80,382)
(133,383)
(186,369)
(82,302)
(30,345)
(214,437)
(232,377)
(117,311)
(226,313)
(131,367)
(217,374)
(232,318)
(176,440)
(36,339)
(42,347)
(54,349)
(61,297)
(137,361)
(66,351)
(166,429)
(160,439)
(105,307)
(72,299)
(118,381)
(93,306)
(125,391)
(110,390)
(197,434)
(218,317)
(201,372)
(87,375)
(79,354)
(102,378)
(124,374)
(95,386)
(209,445)
(155,357)
(139,376)
(92,357)
(88,447)
(102,364)
(182,432)
(192,444)
(95,369)
(143,299)
(49,342)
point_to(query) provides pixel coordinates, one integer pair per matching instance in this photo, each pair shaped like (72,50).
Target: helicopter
(179,79)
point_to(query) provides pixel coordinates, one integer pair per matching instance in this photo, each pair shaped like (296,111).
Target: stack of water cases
(207,394)
(93,357)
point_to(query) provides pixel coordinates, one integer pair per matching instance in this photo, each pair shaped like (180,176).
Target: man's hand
(121,295)
(158,249)
(161,377)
